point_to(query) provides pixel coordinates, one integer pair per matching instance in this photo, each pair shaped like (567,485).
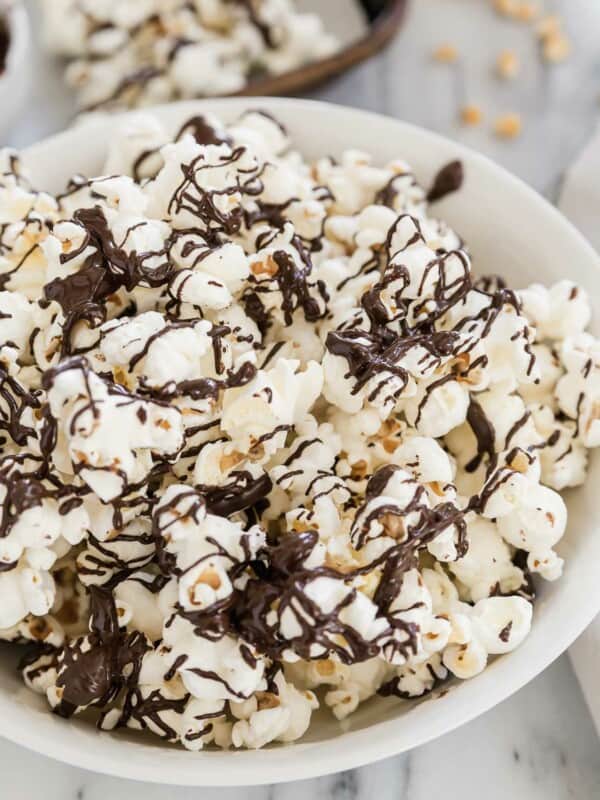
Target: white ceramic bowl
(511,231)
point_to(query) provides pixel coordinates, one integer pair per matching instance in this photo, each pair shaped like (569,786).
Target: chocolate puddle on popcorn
(267,441)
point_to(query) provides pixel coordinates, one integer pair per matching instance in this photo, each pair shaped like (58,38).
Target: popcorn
(107,435)
(274,400)
(488,563)
(577,392)
(437,408)
(281,715)
(153,52)
(558,312)
(43,629)
(267,443)
(225,669)
(548,373)
(536,526)
(111,553)
(171,715)
(16,325)
(26,591)
(498,625)
(416,680)
(353,685)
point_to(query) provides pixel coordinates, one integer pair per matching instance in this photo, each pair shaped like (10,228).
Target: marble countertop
(540,744)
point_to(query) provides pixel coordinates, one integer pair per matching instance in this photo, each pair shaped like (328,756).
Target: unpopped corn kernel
(508,126)
(471,115)
(556,48)
(446,54)
(507,64)
(549,25)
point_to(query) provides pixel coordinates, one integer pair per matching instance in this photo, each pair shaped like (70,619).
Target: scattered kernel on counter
(556,48)
(508,126)
(445,54)
(521,10)
(527,11)
(549,25)
(506,7)
(471,115)
(507,64)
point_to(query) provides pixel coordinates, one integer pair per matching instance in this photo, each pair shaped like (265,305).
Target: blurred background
(558,103)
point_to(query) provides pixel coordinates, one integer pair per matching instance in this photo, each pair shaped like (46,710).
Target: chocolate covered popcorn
(268,444)
(129,53)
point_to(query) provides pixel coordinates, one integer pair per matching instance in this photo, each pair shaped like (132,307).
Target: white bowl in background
(15,81)
(510,230)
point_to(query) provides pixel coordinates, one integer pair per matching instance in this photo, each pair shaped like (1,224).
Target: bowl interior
(510,231)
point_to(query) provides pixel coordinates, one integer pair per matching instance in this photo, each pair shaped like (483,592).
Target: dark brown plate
(385,19)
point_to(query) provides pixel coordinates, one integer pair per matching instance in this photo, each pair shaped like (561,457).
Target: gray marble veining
(540,744)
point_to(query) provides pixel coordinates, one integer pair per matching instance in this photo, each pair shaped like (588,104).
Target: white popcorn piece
(281,716)
(558,312)
(108,436)
(275,400)
(213,670)
(25,590)
(537,525)
(488,563)
(437,409)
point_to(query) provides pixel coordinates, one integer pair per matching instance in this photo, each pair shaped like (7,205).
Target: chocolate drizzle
(282,582)
(292,280)
(93,671)
(484,434)
(128,86)
(15,401)
(147,712)
(241,493)
(83,295)
(203,132)
(448,180)
(374,343)
(201,204)
(282,579)
(140,162)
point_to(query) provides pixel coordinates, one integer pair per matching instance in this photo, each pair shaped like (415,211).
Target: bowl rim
(381,739)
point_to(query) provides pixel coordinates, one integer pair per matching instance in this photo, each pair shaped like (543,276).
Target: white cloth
(580,202)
